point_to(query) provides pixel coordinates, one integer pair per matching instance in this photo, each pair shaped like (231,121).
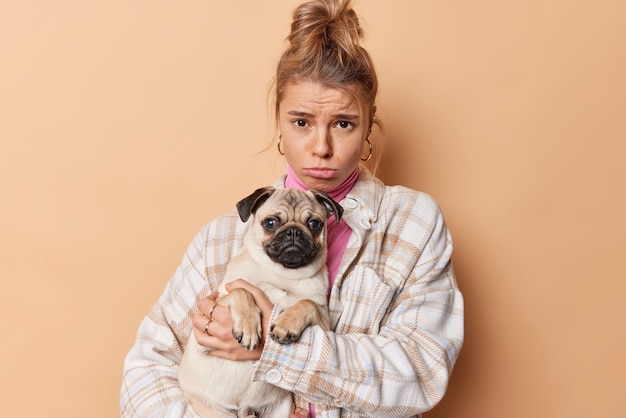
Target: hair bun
(324,27)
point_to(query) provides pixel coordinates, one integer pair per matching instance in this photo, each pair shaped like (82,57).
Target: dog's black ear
(247,206)
(332,207)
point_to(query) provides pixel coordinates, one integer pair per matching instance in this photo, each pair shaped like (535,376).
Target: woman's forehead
(309,96)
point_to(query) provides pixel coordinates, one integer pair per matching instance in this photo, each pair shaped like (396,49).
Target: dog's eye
(270,224)
(315,225)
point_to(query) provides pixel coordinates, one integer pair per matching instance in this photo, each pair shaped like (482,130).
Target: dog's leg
(293,320)
(246,317)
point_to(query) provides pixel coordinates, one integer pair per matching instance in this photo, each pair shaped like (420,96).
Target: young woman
(396,311)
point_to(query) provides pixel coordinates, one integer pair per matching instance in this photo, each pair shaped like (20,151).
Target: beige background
(124,126)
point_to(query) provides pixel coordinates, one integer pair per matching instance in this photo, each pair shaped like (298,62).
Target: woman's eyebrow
(347,116)
(299,113)
(337,116)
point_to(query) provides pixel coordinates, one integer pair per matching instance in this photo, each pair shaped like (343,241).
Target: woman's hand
(299,413)
(219,325)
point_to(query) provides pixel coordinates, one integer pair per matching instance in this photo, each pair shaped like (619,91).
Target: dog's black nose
(293,233)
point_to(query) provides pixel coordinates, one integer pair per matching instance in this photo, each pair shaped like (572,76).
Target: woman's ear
(372,116)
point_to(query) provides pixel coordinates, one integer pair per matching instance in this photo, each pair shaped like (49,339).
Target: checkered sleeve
(150,379)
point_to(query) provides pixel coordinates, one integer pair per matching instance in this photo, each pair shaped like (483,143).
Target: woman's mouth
(320,172)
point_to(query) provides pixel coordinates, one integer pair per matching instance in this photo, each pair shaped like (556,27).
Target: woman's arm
(150,379)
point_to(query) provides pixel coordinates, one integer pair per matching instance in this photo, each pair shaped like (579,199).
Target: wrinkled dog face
(290,224)
(293,229)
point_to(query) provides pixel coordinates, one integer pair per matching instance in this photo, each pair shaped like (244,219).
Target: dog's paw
(284,336)
(293,321)
(285,330)
(247,331)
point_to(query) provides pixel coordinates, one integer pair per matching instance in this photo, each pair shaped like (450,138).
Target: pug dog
(284,255)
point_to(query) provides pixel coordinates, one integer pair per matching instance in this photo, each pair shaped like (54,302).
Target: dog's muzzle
(292,247)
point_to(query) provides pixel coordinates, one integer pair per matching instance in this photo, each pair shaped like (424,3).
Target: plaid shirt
(396,316)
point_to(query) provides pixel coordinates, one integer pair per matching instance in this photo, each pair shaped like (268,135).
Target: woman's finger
(200,321)
(206,304)
(217,323)
(299,413)
(226,348)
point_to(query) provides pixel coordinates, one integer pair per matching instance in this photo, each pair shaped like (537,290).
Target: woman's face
(323,132)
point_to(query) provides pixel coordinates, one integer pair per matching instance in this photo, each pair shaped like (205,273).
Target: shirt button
(350,203)
(273,376)
(365,223)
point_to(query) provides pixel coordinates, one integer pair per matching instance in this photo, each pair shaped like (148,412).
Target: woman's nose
(322,147)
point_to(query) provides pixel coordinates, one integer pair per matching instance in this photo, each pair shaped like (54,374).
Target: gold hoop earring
(280,137)
(370,154)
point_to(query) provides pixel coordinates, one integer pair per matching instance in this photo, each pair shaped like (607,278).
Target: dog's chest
(280,296)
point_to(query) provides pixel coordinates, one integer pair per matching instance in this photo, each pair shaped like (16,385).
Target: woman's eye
(301,123)
(315,225)
(344,124)
(270,224)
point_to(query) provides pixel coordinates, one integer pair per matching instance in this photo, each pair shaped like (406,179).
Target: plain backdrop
(125,126)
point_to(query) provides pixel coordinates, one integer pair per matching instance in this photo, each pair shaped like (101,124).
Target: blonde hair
(324,47)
